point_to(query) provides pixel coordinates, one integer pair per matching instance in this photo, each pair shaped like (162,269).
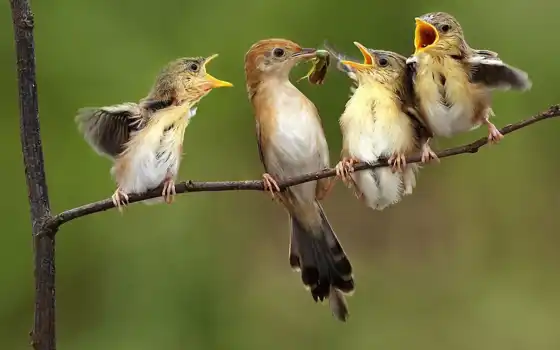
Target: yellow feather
(364,113)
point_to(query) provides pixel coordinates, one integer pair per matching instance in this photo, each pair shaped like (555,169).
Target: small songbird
(145,139)
(380,121)
(454,82)
(291,142)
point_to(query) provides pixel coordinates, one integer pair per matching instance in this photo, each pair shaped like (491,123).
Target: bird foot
(427,154)
(344,168)
(169,192)
(120,199)
(494,135)
(397,162)
(270,185)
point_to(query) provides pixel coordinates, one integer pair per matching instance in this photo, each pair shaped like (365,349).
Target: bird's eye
(278,52)
(383,62)
(445,28)
(193,67)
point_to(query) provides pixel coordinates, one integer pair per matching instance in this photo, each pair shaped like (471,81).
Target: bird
(144,140)
(454,82)
(379,121)
(291,142)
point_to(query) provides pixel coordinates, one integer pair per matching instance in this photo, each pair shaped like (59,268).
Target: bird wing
(259,145)
(107,129)
(409,103)
(489,70)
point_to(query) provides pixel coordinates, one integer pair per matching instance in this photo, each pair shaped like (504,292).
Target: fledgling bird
(380,121)
(454,82)
(291,142)
(145,139)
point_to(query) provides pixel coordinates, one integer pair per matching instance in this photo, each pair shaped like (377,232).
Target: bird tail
(324,266)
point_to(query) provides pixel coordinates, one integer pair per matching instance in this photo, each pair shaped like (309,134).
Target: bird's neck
(376,92)
(273,88)
(276,99)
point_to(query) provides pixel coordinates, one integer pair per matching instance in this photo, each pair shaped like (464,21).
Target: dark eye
(193,67)
(445,28)
(383,62)
(278,52)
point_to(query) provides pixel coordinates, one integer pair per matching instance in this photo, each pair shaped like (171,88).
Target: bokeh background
(470,261)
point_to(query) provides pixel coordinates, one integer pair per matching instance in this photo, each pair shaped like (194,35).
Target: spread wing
(108,129)
(488,69)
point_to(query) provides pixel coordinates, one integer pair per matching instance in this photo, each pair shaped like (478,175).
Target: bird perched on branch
(291,142)
(453,82)
(145,139)
(380,121)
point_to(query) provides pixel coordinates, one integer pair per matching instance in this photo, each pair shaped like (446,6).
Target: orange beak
(213,82)
(368,58)
(425,35)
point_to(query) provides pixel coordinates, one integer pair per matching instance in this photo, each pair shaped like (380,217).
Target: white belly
(152,161)
(368,138)
(297,146)
(445,121)
(448,121)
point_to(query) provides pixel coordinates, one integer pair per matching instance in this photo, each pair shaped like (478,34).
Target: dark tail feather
(324,266)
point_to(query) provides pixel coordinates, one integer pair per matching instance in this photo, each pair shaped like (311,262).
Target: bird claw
(397,162)
(428,155)
(344,168)
(494,135)
(120,199)
(270,185)
(169,191)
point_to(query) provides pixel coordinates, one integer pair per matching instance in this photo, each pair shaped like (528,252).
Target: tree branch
(257,185)
(43,333)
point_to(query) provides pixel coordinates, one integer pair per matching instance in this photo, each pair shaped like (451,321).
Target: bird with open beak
(454,82)
(291,142)
(144,140)
(380,121)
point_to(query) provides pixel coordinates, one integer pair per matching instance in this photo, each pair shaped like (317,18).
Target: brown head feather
(261,55)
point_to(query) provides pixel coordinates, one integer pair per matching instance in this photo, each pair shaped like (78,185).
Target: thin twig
(43,336)
(257,185)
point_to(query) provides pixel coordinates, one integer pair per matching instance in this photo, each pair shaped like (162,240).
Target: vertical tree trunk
(43,334)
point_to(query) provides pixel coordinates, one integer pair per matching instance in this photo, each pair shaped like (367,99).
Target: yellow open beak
(368,58)
(215,83)
(425,35)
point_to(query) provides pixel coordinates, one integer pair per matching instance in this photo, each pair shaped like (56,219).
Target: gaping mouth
(213,82)
(425,35)
(305,52)
(368,58)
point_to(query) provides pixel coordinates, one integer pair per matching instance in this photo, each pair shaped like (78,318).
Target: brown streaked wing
(489,70)
(107,129)
(408,104)
(259,145)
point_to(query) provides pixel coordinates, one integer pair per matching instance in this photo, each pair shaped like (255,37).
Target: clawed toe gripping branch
(45,225)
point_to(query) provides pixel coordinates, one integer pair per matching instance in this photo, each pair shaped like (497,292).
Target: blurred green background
(470,261)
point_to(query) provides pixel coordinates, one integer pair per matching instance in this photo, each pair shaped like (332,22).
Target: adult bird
(291,142)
